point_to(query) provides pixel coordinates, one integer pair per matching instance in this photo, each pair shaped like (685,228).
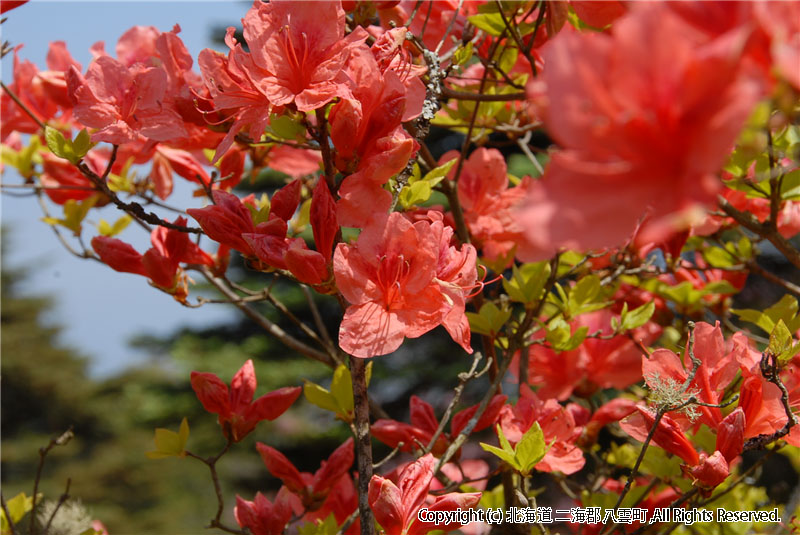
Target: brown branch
(358,368)
(752,224)
(786,285)
(325,148)
(133,208)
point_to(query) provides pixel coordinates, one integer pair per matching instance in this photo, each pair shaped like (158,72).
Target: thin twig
(265,323)
(463,379)
(211,462)
(323,330)
(22,105)
(390,456)
(770,370)
(60,440)
(482,97)
(61,500)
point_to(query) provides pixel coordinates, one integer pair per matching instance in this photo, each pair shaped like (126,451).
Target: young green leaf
(169,443)
(320,397)
(638,316)
(489,320)
(329,526)
(112,230)
(530,449)
(342,390)
(506,453)
(81,144)
(59,145)
(18,507)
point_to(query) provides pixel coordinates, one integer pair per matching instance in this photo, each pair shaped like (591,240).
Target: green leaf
(785,309)
(527,282)
(745,247)
(81,144)
(502,454)
(320,527)
(23,159)
(722,287)
(435,175)
(18,507)
(504,443)
(419,189)
(755,316)
(585,296)
(59,145)
(638,316)
(463,54)
(560,335)
(780,343)
(507,59)
(169,443)
(123,182)
(506,453)
(491,23)
(790,186)
(342,389)
(683,294)
(416,193)
(530,449)
(492,499)
(74,214)
(320,397)
(303,217)
(489,320)
(285,127)
(585,290)
(718,257)
(112,230)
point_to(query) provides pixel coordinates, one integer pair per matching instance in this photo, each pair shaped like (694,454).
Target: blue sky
(98,308)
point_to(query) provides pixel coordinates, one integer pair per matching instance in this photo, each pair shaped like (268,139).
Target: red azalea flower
(424,424)
(646,115)
(396,506)
(668,436)
(263,517)
(124,103)
(390,277)
(238,413)
(312,489)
